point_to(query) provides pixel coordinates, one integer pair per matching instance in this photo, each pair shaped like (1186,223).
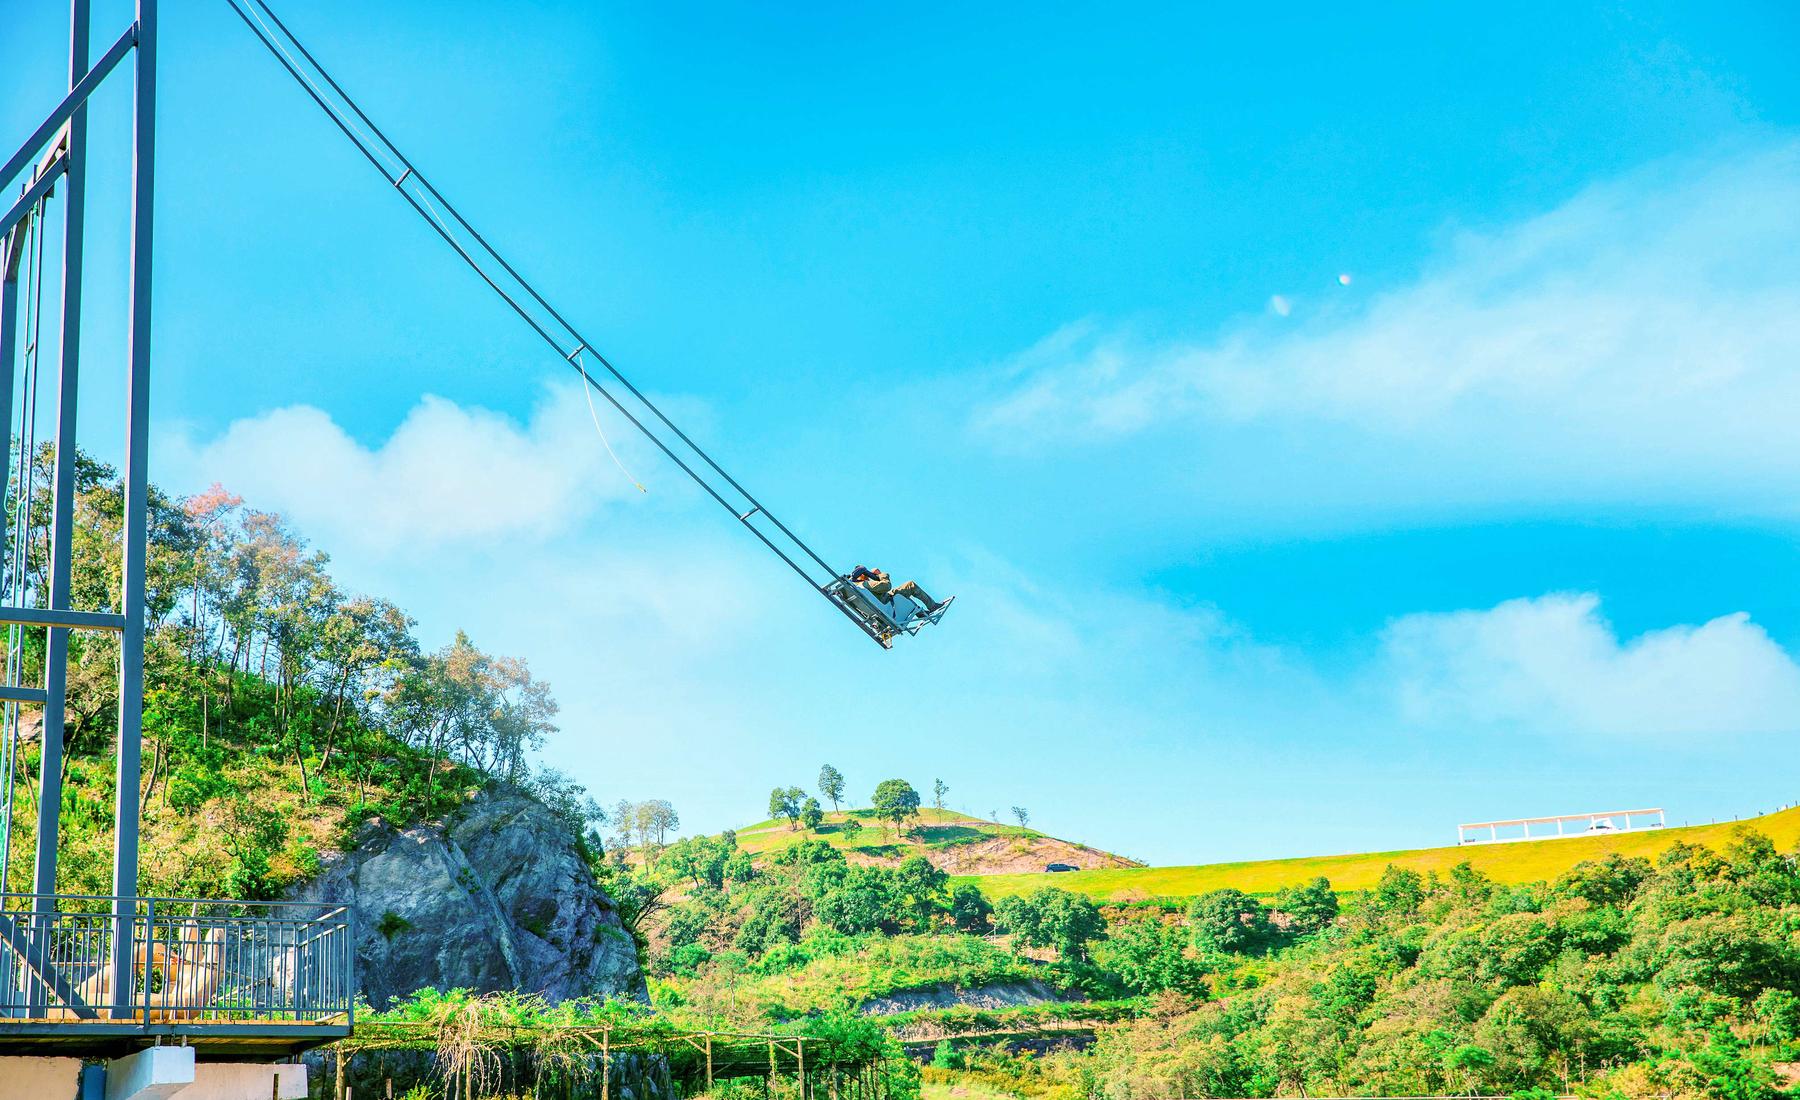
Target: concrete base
(227,1081)
(39,1078)
(155,1073)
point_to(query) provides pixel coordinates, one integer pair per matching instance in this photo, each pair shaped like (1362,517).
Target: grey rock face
(500,899)
(944,995)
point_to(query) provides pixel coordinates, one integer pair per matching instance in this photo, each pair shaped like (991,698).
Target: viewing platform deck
(235,980)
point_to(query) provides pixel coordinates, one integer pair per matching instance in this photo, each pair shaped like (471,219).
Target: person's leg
(911,588)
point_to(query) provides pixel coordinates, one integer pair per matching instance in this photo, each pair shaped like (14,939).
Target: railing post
(130,922)
(348,972)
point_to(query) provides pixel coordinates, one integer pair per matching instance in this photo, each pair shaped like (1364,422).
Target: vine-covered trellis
(465,1056)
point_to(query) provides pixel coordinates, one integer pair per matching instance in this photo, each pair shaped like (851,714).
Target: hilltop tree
(656,819)
(1022,815)
(785,802)
(811,815)
(831,785)
(646,824)
(939,789)
(896,802)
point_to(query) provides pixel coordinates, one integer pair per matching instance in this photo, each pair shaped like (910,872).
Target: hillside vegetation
(1513,863)
(1621,978)
(280,713)
(953,842)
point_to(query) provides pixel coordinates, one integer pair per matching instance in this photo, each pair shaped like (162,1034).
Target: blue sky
(1043,307)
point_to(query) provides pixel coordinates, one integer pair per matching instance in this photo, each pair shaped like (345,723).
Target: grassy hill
(958,843)
(1518,862)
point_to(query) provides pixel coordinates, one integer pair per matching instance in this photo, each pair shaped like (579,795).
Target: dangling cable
(604,442)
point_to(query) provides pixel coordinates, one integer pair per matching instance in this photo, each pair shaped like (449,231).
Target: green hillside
(958,843)
(281,711)
(1512,863)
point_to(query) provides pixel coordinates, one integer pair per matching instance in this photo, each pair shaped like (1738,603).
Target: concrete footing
(39,1078)
(155,1073)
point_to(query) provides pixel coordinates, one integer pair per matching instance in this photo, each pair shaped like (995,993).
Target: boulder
(498,898)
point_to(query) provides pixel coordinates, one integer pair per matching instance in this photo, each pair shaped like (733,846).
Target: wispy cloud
(1554,665)
(1637,343)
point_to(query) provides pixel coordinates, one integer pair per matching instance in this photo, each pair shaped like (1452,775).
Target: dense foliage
(1619,979)
(280,710)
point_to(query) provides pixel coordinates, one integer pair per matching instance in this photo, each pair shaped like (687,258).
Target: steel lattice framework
(94,973)
(57,154)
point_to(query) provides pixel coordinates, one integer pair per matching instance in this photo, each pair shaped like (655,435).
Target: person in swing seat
(880,585)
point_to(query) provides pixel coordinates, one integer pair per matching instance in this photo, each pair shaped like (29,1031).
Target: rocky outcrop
(993,995)
(499,898)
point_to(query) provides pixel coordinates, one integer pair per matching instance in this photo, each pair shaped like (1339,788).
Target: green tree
(970,910)
(939,789)
(920,891)
(1309,908)
(1021,815)
(1150,956)
(1779,1012)
(1049,917)
(831,785)
(811,814)
(1229,920)
(896,802)
(1399,891)
(785,802)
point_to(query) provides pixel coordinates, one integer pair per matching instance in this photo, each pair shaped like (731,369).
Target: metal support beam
(9,336)
(24,947)
(136,521)
(62,510)
(77,97)
(14,244)
(32,194)
(75,620)
(21,694)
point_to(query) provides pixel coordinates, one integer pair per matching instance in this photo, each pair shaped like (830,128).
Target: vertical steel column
(136,520)
(9,335)
(10,248)
(56,661)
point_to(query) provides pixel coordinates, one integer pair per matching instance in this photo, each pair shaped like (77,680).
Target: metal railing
(192,962)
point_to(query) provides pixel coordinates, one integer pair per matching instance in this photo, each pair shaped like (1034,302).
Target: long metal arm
(531,307)
(71,102)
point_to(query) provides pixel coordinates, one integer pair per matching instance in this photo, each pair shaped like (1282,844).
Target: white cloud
(1638,343)
(447,475)
(1554,665)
